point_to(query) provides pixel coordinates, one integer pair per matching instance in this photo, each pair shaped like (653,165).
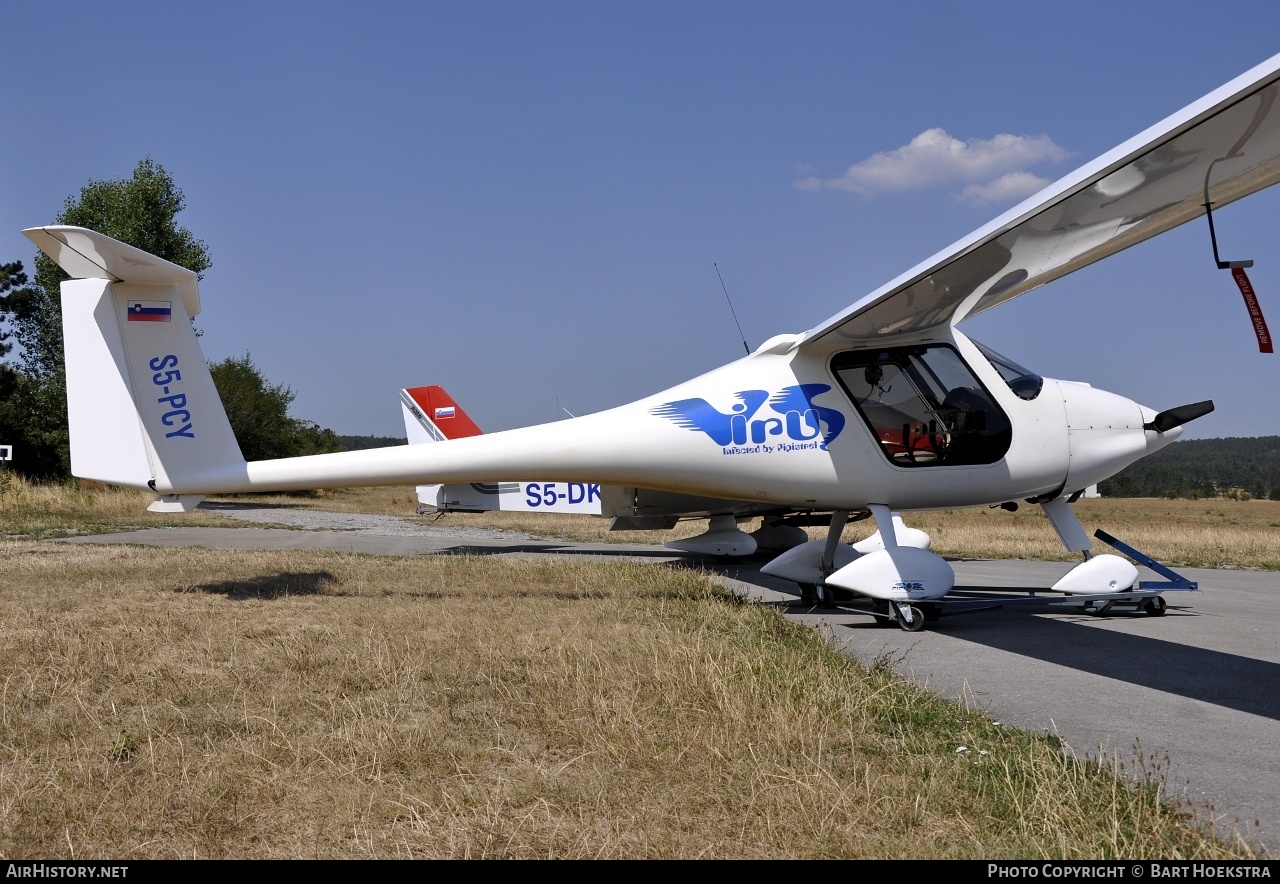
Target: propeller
(1176,417)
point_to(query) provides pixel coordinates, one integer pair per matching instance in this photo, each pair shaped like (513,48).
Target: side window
(925,406)
(1026,384)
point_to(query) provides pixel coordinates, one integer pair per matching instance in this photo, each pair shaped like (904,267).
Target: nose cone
(1106,433)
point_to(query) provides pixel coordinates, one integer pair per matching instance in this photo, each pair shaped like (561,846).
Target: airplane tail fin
(141,404)
(431,415)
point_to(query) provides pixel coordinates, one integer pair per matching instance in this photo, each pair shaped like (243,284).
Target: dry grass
(1216,533)
(33,510)
(188,702)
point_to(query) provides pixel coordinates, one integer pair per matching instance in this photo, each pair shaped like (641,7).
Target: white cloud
(1005,189)
(992,166)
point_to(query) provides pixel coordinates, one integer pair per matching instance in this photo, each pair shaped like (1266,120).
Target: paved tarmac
(1201,684)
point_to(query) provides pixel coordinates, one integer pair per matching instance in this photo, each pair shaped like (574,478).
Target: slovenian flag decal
(444,411)
(150,311)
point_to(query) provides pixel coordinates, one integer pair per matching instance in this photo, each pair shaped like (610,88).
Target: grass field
(1207,533)
(34,511)
(206,703)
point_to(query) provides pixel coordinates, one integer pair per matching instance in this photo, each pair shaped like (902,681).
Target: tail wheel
(1155,607)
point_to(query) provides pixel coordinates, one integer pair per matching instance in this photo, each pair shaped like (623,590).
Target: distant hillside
(359,443)
(1203,468)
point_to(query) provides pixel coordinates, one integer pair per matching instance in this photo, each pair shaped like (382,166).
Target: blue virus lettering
(796,417)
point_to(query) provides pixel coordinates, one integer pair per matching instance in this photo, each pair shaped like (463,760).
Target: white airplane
(884,407)
(431,415)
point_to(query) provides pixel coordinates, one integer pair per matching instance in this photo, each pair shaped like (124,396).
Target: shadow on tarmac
(1215,677)
(1221,679)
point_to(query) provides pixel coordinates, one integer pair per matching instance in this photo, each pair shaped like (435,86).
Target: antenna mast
(731,310)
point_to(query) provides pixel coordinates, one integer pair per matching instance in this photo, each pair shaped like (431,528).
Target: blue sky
(526,201)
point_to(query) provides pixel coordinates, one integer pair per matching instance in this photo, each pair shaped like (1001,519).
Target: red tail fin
(442,411)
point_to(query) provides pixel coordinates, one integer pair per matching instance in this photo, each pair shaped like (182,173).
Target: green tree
(139,211)
(38,444)
(259,414)
(23,400)
(13,286)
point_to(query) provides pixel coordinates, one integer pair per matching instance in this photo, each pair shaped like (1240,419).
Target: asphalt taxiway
(1200,685)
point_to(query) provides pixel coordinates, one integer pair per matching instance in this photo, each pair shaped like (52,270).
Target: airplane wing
(1221,148)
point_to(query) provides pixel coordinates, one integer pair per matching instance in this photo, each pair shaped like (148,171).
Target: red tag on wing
(1255,312)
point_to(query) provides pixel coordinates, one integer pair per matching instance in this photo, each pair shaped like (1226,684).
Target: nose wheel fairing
(893,565)
(900,574)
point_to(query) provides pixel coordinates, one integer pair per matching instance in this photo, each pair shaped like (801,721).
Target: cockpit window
(925,406)
(1026,384)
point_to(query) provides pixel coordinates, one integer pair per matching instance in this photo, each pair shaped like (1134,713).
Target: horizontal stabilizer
(87,254)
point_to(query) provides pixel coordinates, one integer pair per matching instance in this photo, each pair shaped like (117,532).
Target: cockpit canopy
(927,407)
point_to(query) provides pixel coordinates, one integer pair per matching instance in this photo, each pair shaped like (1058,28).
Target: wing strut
(1237,268)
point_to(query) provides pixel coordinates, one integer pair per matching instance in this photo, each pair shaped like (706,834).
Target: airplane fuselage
(797,428)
